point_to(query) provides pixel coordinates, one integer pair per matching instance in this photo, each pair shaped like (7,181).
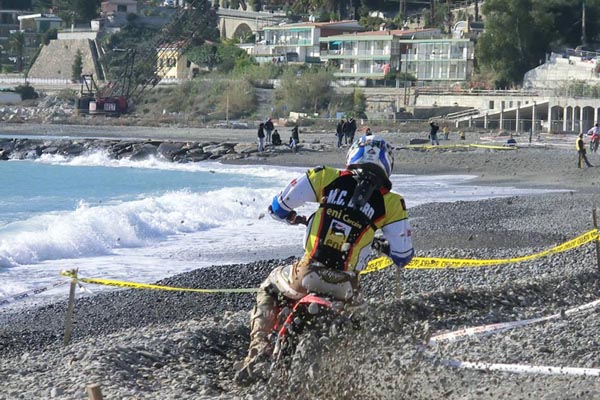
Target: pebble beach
(139,344)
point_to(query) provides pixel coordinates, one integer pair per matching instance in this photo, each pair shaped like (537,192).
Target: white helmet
(371,150)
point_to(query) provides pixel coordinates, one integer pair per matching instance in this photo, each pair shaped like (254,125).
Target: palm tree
(16,44)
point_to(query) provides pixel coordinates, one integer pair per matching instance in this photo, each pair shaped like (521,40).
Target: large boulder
(143,151)
(168,150)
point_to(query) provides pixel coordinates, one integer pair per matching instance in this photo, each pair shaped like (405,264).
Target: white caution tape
(522,369)
(503,326)
(29,293)
(514,368)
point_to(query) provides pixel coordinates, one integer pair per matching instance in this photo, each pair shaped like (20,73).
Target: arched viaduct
(237,23)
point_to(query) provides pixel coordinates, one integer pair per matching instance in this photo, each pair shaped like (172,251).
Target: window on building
(491,105)
(121,8)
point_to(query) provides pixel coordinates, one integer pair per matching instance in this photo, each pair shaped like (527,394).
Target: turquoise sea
(145,220)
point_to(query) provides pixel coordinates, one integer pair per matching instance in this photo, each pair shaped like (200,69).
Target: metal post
(595,219)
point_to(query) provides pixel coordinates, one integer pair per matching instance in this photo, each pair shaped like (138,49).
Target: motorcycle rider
(353,204)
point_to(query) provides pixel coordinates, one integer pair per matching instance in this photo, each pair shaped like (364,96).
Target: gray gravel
(155,345)
(142,344)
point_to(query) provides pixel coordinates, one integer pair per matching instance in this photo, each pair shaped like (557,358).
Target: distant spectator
(346,131)
(295,134)
(446,132)
(353,128)
(293,145)
(581,152)
(595,139)
(276,138)
(433,133)
(268,129)
(339,132)
(461,135)
(593,129)
(261,137)
(368,132)
(594,142)
(511,142)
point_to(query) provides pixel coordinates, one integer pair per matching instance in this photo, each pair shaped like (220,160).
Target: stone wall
(55,60)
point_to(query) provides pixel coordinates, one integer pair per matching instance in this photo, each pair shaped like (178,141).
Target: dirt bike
(313,319)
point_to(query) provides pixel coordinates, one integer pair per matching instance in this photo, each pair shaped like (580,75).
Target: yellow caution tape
(488,146)
(433,263)
(135,285)
(430,263)
(376,264)
(460,146)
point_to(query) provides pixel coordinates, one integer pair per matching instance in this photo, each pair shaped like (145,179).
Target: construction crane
(140,67)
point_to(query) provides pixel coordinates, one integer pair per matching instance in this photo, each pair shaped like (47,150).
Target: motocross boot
(256,364)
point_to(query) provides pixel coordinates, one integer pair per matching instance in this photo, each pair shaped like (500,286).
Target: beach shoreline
(147,344)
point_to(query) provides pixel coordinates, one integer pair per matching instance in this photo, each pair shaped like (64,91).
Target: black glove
(294,219)
(381,245)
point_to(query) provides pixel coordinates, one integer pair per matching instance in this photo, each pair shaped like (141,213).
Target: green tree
(16,4)
(305,90)
(16,45)
(562,18)
(360,104)
(513,42)
(85,10)
(77,67)
(222,56)
(205,55)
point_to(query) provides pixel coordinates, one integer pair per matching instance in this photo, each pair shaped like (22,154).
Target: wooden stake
(399,282)
(94,392)
(595,218)
(70,307)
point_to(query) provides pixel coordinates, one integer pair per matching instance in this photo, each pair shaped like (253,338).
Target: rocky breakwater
(190,151)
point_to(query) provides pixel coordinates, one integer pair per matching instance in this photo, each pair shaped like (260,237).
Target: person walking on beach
(268,129)
(353,128)
(594,132)
(346,130)
(446,132)
(354,203)
(433,133)
(594,129)
(261,137)
(339,132)
(295,134)
(581,152)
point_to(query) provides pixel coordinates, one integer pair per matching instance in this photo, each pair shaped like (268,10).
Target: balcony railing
(355,53)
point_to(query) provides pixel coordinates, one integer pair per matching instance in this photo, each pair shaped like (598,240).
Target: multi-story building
(39,23)
(300,42)
(368,54)
(422,53)
(438,60)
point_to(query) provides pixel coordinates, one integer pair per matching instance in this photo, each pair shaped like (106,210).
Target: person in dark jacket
(353,128)
(339,132)
(268,129)
(276,138)
(295,139)
(433,133)
(582,152)
(261,137)
(346,130)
